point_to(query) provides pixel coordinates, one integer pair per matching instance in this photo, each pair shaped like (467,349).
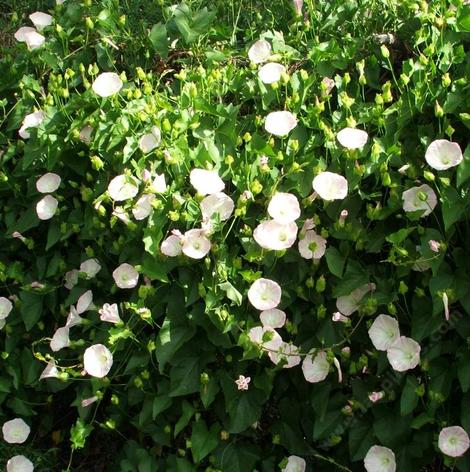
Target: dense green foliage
(170,401)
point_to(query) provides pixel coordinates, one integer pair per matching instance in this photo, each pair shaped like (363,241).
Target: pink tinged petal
(286,354)
(280,123)
(172,246)
(445,301)
(20,34)
(380,459)
(315,367)
(376,396)
(271,72)
(60,339)
(338,317)
(275,236)
(97,360)
(196,245)
(34,40)
(383,332)
(73,319)
(435,246)
(48,183)
(110,313)
(217,204)
(19,463)
(148,142)
(143,207)
(442,154)
(295,464)
(330,186)
(40,20)
(125,276)
(107,84)
(243,382)
(159,184)
(33,120)
(50,372)
(312,245)
(348,304)
(404,354)
(88,401)
(259,52)
(298,4)
(273,318)
(352,138)
(284,208)
(327,85)
(85,302)
(15,431)
(206,182)
(46,207)
(271,341)
(453,441)
(123,187)
(90,267)
(5,307)
(419,198)
(265,294)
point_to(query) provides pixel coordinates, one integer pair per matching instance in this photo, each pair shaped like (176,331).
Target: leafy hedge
(164,364)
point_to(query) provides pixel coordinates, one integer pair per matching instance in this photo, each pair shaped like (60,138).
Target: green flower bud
(402,288)
(384,51)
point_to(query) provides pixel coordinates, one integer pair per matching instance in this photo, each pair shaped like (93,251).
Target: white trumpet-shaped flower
(19,463)
(271,72)
(330,186)
(48,183)
(97,360)
(148,142)
(315,367)
(312,245)
(442,154)
(206,182)
(125,276)
(273,235)
(453,441)
(404,354)
(217,203)
(383,332)
(123,187)
(46,207)
(259,52)
(15,431)
(265,294)
(107,84)
(380,459)
(419,198)
(352,138)
(280,123)
(273,318)
(284,208)
(40,20)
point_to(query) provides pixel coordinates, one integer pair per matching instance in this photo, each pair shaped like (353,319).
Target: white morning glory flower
(380,459)
(50,372)
(348,304)
(315,368)
(312,245)
(109,313)
(19,463)
(97,360)
(284,208)
(271,72)
(196,244)
(125,276)
(85,134)
(46,207)
(295,463)
(273,318)
(383,332)
(40,20)
(442,154)
(60,339)
(419,198)
(271,341)
(148,142)
(404,354)
(143,207)
(5,307)
(280,123)
(330,186)
(265,294)
(20,34)
(85,302)
(15,431)
(352,138)
(107,84)
(217,203)
(259,52)
(48,183)
(172,246)
(286,353)
(90,267)
(33,120)
(272,235)
(34,40)
(206,182)
(123,187)
(453,441)
(73,318)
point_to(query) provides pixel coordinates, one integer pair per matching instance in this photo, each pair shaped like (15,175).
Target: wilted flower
(376,396)
(19,464)
(419,198)
(90,267)
(273,235)
(338,368)
(60,339)
(312,245)
(383,332)
(264,294)
(273,318)
(286,353)
(380,459)
(352,138)
(148,142)
(109,313)
(50,371)
(5,307)
(97,360)
(34,40)
(259,51)
(20,34)
(243,382)
(453,441)
(15,431)
(172,246)
(435,246)
(315,367)
(85,134)
(217,203)
(206,182)
(107,84)
(330,186)
(442,154)
(295,464)
(196,244)
(348,304)
(88,401)
(271,72)
(125,276)
(327,85)
(123,187)
(284,208)
(40,20)
(403,354)
(143,206)
(33,120)
(46,207)
(280,123)
(48,183)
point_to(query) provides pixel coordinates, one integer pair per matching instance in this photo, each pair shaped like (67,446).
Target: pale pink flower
(342,217)
(376,396)
(143,207)
(280,123)
(352,138)
(259,52)
(60,339)
(206,182)
(85,302)
(273,318)
(159,184)
(271,341)
(380,459)
(307,226)
(265,294)
(172,246)
(50,372)
(272,235)
(125,276)
(88,401)
(48,183)
(327,86)
(5,307)
(419,198)
(18,235)
(315,367)
(40,20)
(21,32)
(109,313)
(122,214)
(97,360)
(284,208)
(46,207)
(90,267)
(243,382)
(338,317)
(107,84)
(271,72)
(298,4)
(73,318)
(348,304)
(148,142)
(15,431)
(145,175)
(34,40)
(196,244)
(19,463)
(330,186)
(217,204)
(312,245)
(442,154)
(404,354)
(435,246)
(453,441)
(71,279)
(123,187)
(383,332)
(286,353)
(295,464)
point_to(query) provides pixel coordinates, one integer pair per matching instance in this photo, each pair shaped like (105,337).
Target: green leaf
(203,441)
(463,169)
(361,438)
(453,207)
(409,399)
(191,25)
(159,38)
(335,261)
(463,20)
(232,293)
(185,377)
(79,432)
(463,371)
(185,418)
(235,457)
(244,410)
(399,236)
(31,308)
